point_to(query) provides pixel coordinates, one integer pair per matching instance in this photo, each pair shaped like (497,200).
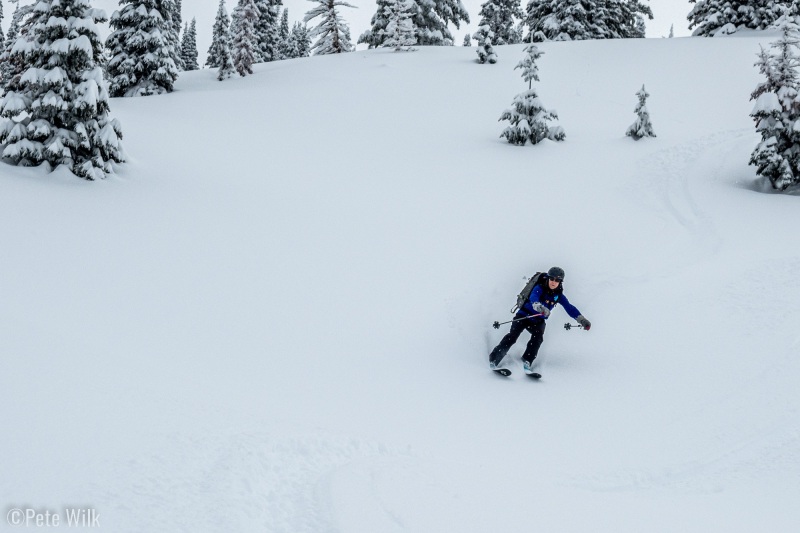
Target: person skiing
(532,316)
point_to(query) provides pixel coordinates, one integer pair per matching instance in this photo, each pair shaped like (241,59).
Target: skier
(533,315)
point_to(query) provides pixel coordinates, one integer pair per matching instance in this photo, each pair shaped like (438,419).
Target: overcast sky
(665,14)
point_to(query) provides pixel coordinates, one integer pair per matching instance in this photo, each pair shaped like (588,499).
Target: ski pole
(569,326)
(497,324)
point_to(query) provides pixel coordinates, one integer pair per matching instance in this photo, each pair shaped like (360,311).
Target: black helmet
(556,273)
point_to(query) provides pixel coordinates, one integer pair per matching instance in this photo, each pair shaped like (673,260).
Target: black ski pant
(535,326)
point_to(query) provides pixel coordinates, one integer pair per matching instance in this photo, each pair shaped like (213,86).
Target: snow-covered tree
(375,36)
(399,32)
(723,17)
(777,109)
(468,40)
(484,37)
(189,47)
(568,20)
(244,40)
(283,35)
(57,111)
(267,29)
(332,32)
(177,20)
(671,31)
(500,17)
(225,59)
(299,41)
(142,48)
(220,36)
(642,127)
(530,70)
(12,67)
(527,116)
(221,46)
(430,19)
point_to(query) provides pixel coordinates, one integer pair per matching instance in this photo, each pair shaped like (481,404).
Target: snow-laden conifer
(468,40)
(142,48)
(57,111)
(375,36)
(777,109)
(244,41)
(430,18)
(399,32)
(225,58)
(501,17)
(299,41)
(267,29)
(483,37)
(724,17)
(283,35)
(12,67)
(332,32)
(220,35)
(189,47)
(175,34)
(527,116)
(572,20)
(642,127)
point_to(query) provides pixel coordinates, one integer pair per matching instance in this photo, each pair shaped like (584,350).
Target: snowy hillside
(276,317)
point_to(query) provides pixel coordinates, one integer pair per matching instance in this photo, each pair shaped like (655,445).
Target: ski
(502,371)
(534,375)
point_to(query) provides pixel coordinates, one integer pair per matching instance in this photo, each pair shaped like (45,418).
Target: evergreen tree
(299,41)
(225,58)
(177,19)
(431,19)
(268,29)
(722,17)
(567,20)
(499,16)
(399,32)
(332,31)
(484,37)
(528,118)
(671,31)
(57,112)
(375,36)
(283,35)
(189,47)
(142,49)
(244,41)
(468,40)
(220,36)
(12,66)
(777,109)
(642,127)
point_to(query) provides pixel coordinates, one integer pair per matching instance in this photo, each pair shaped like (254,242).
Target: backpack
(523,296)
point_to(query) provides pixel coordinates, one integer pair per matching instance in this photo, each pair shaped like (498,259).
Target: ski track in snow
(242,481)
(670,175)
(748,448)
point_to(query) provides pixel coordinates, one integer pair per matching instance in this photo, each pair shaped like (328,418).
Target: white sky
(665,12)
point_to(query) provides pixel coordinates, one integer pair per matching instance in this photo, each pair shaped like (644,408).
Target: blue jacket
(549,299)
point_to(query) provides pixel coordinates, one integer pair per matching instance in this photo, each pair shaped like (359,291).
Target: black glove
(583,322)
(541,309)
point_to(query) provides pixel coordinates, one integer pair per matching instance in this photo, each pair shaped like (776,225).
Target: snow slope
(276,317)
